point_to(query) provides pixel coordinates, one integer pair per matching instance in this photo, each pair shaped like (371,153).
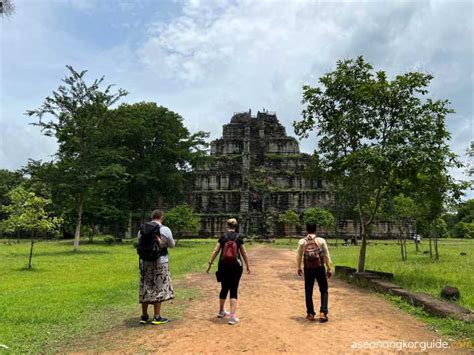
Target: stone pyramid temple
(256,173)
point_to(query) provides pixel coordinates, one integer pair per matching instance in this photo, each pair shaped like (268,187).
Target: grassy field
(418,273)
(69,295)
(76,295)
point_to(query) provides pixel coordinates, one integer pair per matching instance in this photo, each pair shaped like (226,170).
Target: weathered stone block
(382,286)
(382,274)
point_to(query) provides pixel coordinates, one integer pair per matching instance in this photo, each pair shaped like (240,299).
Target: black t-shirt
(231,236)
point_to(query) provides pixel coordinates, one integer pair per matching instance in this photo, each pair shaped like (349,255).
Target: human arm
(166,239)
(243,252)
(299,257)
(216,251)
(327,258)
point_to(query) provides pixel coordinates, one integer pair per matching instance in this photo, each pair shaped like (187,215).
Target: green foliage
(8,181)
(461,223)
(112,163)
(27,212)
(464,230)
(77,113)
(290,218)
(377,135)
(182,219)
(319,216)
(109,240)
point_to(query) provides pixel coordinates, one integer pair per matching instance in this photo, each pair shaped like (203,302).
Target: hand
(208,268)
(329,274)
(300,272)
(248,270)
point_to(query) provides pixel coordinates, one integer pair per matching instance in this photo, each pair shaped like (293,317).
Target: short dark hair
(311,227)
(157,214)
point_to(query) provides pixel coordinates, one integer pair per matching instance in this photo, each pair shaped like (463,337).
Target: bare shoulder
(302,241)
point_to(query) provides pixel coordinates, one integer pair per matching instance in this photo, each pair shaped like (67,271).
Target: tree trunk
(405,247)
(77,234)
(31,251)
(431,249)
(17,237)
(401,248)
(129,228)
(436,247)
(363,249)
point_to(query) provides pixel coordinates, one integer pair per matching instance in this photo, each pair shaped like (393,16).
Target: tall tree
(373,132)
(158,153)
(77,112)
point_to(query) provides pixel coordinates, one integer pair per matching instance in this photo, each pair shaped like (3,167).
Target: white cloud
(259,53)
(217,57)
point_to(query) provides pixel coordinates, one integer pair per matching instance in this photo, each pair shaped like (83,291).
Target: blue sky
(208,59)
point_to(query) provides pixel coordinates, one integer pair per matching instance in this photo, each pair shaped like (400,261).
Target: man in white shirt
(313,252)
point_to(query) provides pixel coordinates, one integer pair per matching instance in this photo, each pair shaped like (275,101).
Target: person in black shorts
(230,268)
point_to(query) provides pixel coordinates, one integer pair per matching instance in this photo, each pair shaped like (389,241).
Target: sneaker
(159,320)
(310,317)
(144,319)
(233,320)
(323,317)
(222,314)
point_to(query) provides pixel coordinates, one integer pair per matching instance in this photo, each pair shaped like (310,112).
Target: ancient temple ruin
(256,173)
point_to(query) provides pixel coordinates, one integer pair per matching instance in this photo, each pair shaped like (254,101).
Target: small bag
(218,276)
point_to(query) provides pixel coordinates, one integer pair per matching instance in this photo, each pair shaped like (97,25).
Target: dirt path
(272,315)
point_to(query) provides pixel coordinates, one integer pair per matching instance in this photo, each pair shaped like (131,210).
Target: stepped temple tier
(256,173)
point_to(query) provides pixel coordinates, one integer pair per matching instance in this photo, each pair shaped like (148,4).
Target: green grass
(69,295)
(418,273)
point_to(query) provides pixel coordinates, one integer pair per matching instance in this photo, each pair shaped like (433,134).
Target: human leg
(322,280)
(308,287)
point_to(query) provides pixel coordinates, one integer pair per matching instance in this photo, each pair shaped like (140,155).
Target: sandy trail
(272,314)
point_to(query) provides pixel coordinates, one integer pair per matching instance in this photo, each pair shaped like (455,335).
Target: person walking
(313,253)
(232,251)
(156,287)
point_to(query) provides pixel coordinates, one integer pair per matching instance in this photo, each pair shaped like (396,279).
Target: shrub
(109,240)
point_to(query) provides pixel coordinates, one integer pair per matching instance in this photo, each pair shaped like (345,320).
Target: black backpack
(147,247)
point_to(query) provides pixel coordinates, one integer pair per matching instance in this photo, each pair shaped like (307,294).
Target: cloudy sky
(208,59)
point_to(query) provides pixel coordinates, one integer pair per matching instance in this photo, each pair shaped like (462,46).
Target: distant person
(417,238)
(154,239)
(313,253)
(230,268)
